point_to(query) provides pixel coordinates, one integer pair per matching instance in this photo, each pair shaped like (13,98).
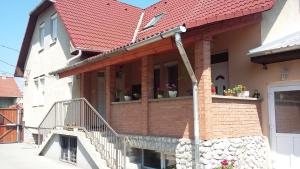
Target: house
(96,73)
(9,92)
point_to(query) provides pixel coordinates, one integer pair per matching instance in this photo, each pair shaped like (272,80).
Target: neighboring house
(9,92)
(109,62)
(10,111)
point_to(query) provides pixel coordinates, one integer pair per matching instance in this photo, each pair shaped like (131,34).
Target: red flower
(224,163)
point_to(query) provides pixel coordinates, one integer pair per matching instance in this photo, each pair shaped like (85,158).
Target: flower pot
(246,93)
(172,94)
(159,96)
(240,94)
(127,98)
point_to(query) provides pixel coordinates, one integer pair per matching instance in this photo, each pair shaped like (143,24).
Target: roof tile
(8,87)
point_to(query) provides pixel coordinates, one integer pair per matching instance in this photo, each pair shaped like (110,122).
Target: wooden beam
(158,47)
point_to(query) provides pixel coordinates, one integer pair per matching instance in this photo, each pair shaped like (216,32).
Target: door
(285,126)
(101,93)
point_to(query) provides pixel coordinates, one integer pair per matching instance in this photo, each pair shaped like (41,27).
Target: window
(172,73)
(151,159)
(154,21)
(42,35)
(39,90)
(156,81)
(1,120)
(157,160)
(219,71)
(68,146)
(53,23)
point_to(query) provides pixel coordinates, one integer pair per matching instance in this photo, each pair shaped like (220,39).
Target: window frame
(42,33)
(68,145)
(153,21)
(54,27)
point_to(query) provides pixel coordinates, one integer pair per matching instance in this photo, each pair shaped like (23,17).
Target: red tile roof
(8,87)
(98,24)
(194,13)
(103,25)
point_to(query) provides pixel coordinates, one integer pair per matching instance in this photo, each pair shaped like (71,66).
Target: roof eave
(19,71)
(274,51)
(116,52)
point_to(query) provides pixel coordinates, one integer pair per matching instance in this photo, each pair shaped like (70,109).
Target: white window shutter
(42,35)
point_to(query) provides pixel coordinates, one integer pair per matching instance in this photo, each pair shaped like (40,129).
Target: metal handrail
(79,113)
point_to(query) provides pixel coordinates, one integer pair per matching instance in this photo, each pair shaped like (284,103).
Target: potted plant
(172,90)
(127,95)
(213,89)
(229,92)
(225,164)
(160,93)
(238,91)
(136,96)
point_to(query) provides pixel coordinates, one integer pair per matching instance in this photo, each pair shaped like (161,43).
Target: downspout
(192,75)
(75,57)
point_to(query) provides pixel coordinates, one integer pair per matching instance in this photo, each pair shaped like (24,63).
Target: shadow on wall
(275,12)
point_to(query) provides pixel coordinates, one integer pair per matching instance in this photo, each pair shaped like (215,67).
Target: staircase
(78,115)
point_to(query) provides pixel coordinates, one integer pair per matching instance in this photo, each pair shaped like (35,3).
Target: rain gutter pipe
(75,57)
(192,75)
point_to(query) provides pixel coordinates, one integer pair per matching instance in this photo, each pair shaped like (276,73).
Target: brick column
(147,90)
(110,82)
(203,74)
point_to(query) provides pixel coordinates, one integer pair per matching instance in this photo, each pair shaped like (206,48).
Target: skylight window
(154,21)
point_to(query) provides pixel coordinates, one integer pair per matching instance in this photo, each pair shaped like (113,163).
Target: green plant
(229,92)
(171,167)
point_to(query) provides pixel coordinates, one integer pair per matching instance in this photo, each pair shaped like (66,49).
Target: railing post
(39,137)
(124,154)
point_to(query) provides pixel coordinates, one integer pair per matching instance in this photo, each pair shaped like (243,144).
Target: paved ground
(23,156)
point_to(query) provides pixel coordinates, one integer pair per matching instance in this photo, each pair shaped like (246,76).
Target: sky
(14,15)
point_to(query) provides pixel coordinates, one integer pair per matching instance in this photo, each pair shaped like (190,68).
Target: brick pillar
(203,74)
(110,82)
(147,90)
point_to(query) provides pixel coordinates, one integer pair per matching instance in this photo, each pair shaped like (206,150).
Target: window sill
(235,98)
(41,50)
(127,102)
(170,99)
(53,43)
(41,105)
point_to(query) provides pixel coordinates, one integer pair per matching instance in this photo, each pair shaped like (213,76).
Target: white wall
(51,58)
(282,20)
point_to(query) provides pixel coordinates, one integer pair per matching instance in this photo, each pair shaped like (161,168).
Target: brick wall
(126,118)
(171,117)
(174,118)
(235,118)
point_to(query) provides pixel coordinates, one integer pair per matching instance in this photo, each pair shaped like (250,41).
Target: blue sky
(14,16)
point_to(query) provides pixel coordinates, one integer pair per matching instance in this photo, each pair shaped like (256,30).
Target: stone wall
(248,152)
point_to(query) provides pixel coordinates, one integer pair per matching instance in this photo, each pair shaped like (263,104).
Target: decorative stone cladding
(248,152)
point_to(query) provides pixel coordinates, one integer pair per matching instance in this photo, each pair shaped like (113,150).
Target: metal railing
(80,114)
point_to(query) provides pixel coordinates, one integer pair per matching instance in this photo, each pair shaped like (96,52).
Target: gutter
(274,51)
(75,57)
(123,49)
(192,75)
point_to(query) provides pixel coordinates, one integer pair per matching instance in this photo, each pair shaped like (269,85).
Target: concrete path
(24,156)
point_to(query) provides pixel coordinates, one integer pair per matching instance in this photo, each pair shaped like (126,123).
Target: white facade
(42,90)
(281,20)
